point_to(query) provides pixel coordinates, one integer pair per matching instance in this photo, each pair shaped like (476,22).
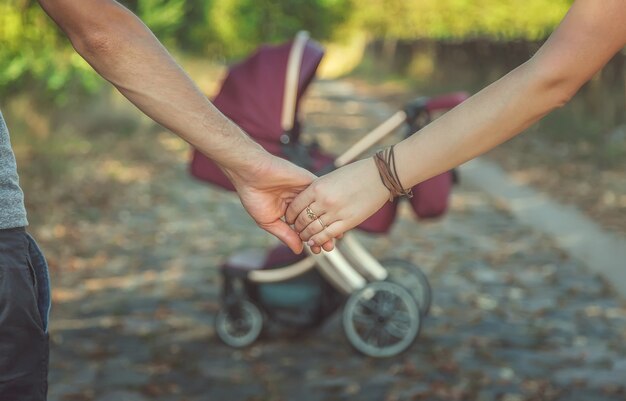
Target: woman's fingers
(303,219)
(329,246)
(327,234)
(316,226)
(304,199)
(341,199)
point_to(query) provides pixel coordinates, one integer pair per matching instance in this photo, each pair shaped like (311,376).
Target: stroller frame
(350,268)
(346,276)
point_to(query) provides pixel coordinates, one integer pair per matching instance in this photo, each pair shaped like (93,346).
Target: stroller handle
(369,140)
(411,111)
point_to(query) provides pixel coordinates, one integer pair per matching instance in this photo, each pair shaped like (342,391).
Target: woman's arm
(590,34)
(126,53)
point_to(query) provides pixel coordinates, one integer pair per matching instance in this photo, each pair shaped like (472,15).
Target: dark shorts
(24,308)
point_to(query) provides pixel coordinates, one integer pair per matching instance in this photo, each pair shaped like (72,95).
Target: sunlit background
(57,104)
(128,233)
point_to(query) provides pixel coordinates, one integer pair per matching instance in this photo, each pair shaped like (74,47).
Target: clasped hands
(297,207)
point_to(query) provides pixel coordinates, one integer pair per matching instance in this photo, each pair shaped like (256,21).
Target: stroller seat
(248,260)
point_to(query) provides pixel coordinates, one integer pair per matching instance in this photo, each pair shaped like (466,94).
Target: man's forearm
(126,53)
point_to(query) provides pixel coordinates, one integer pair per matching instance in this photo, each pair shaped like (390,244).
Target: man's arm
(126,53)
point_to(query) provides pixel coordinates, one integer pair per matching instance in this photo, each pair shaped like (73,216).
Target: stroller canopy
(252,93)
(261,94)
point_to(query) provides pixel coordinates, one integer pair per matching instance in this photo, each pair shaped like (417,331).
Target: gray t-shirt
(12,210)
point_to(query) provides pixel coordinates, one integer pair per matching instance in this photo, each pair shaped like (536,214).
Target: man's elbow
(91,32)
(94,42)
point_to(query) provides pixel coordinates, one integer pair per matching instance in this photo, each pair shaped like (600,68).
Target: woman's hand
(337,202)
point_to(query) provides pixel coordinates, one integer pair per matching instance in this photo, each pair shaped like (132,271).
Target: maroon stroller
(384,301)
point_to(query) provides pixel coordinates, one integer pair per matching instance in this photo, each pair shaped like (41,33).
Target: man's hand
(124,51)
(267,191)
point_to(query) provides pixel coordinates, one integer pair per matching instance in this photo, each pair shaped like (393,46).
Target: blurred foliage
(232,28)
(34,54)
(428,67)
(164,17)
(460,19)
(238,26)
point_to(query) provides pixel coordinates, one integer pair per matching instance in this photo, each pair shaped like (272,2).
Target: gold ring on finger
(310,214)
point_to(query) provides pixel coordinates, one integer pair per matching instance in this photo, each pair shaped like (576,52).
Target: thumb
(286,234)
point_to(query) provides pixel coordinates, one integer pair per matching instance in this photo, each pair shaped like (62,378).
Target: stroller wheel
(381,320)
(239,325)
(413,279)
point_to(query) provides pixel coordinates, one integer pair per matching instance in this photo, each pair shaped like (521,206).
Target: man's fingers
(283,232)
(304,199)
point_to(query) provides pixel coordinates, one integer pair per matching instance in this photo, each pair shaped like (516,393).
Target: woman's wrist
(372,175)
(388,172)
(408,172)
